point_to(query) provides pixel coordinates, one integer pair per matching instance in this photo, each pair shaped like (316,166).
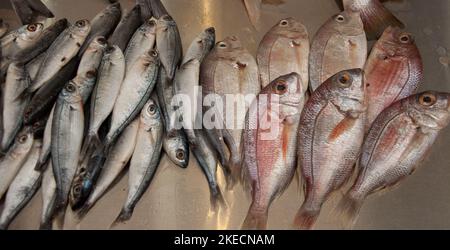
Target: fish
(126,28)
(66,141)
(283,50)
(109,82)
(48,198)
(143,40)
(17,80)
(92,57)
(14,159)
(375,16)
(4,28)
(394,70)
(43,100)
(229,69)
(134,94)
(201,46)
(33,66)
(397,144)
(270,145)
(22,188)
(44,155)
(168,43)
(158,9)
(116,161)
(103,24)
(29,10)
(253,8)
(330,138)
(60,53)
(145,159)
(146,9)
(340,44)
(175,142)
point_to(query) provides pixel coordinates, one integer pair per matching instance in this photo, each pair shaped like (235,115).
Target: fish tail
(217,199)
(377,18)
(83,211)
(41,166)
(256,219)
(348,209)
(46,225)
(125,215)
(306,218)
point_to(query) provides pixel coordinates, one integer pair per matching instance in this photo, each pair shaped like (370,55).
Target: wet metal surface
(179,199)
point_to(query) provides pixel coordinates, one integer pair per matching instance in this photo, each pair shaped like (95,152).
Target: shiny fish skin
(396,145)
(330,137)
(44,156)
(168,43)
(34,65)
(29,10)
(109,82)
(393,71)
(283,50)
(176,146)
(4,27)
(63,49)
(14,159)
(143,40)
(103,24)
(115,163)
(375,16)
(48,198)
(17,80)
(92,57)
(201,46)
(158,9)
(134,93)
(22,188)
(145,159)
(270,164)
(126,28)
(67,137)
(340,44)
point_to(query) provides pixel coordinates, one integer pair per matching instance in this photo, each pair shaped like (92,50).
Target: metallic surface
(179,199)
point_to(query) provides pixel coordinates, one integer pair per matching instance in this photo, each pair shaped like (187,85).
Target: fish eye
(345,79)
(32,27)
(77,190)
(405,38)
(151,22)
(23,139)
(151,109)
(340,18)
(153,53)
(101,40)
(91,74)
(80,23)
(223,45)
(70,88)
(180,154)
(280,87)
(284,23)
(427,99)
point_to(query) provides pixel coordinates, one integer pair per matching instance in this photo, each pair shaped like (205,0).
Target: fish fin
(217,199)
(348,209)
(41,166)
(83,211)
(306,218)
(40,8)
(341,128)
(125,215)
(255,220)
(377,18)
(91,142)
(232,168)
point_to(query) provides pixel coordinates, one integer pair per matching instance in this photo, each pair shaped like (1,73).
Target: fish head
(114,52)
(31,32)
(149,28)
(24,141)
(151,115)
(98,44)
(396,42)
(81,28)
(230,47)
(207,39)
(430,110)
(112,8)
(347,91)
(291,28)
(151,57)
(177,149)
(348,23)
(164,22)
(71,93)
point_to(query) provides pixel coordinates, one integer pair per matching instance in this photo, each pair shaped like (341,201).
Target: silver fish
(34,65)
(67,137)
(63,49)
(17,80)
(44,156)
(48,198)
(145,158)
(143,40)
(126,28)
(92,57)
(201,46)
(168,43)
(22,188)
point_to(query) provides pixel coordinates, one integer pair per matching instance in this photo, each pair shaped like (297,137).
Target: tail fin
(83,211)
(306,218)
(255,220)
(217,199)
(348,210)
(124,216)
(46,225)
(377,18)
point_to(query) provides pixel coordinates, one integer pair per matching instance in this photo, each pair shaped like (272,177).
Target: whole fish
(283,50)
(92,57)
(175,142)
(60,53)
(143,40)
(253,8)
(168,43)
(29,10)
(48,198)
(201,46)
(103,24)
(116,161)
(229,70)
(126,28)
(270,154)
(34,65)
(17,80)
(396,145)
(43,100)
(330,137)
(145,158)
(67,137)
(14,159)
(340,44)
(134,94)
(146,9)
(22,188)
(158,9)
(375,16)
(109,82)
(4,27)
(393,71)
